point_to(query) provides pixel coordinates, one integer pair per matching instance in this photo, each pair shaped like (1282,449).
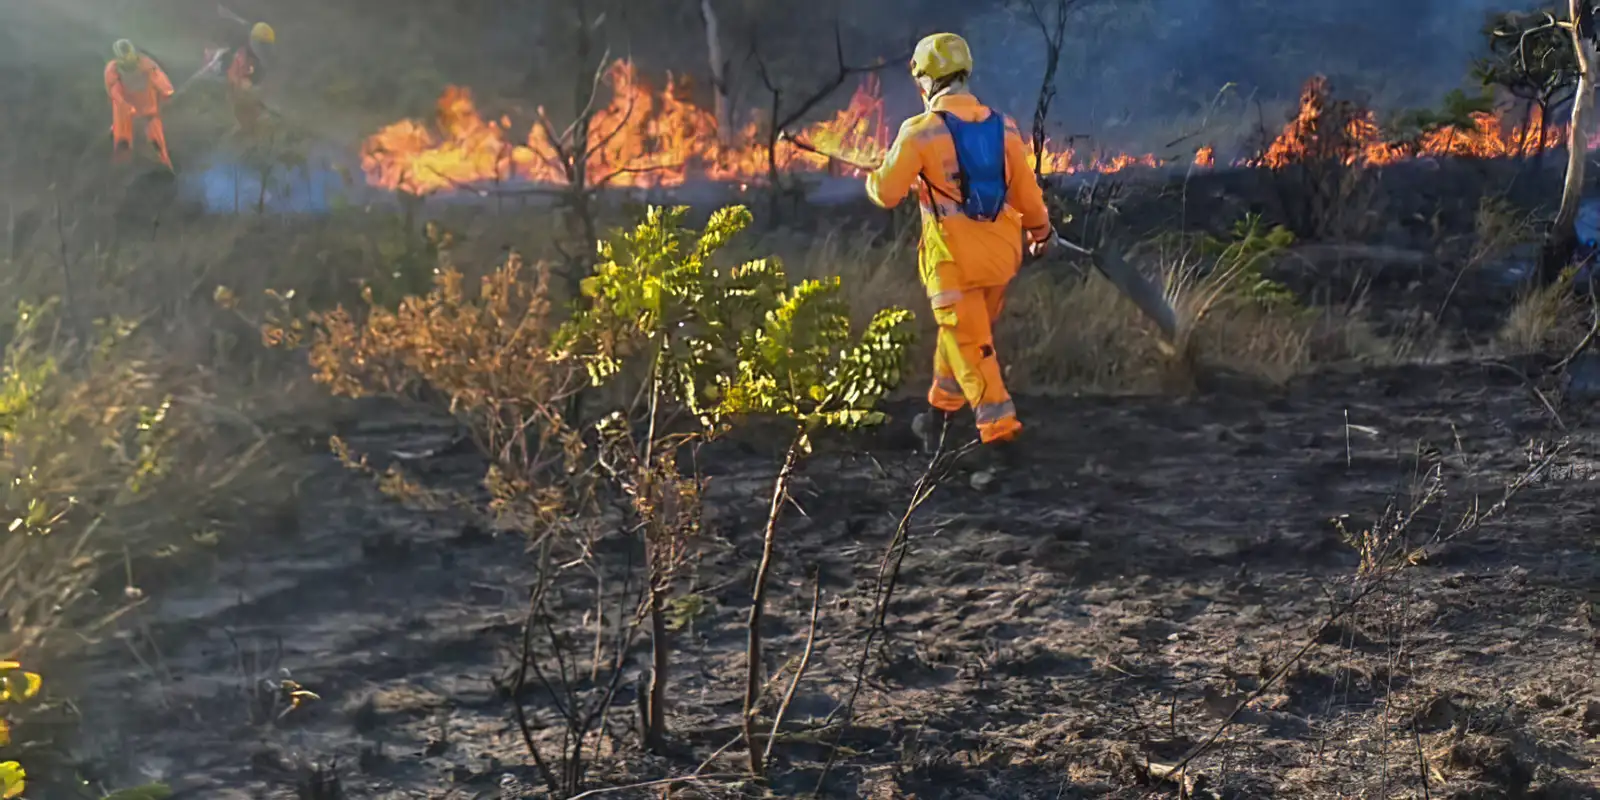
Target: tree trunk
(1527,130)
(655,734)
(1544,133)
(1562,238)
(773,178)
(755,672)
(719,74)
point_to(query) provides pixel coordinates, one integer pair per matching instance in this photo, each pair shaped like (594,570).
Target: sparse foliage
(84,437)
(1236,264)
(726,344)
(485,353)
(1456,115)
(722,344)
(17,687)
(1534,62)
(739,341)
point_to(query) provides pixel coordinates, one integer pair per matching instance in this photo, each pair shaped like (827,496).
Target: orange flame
(643,138)
(646,138)
(1362,143)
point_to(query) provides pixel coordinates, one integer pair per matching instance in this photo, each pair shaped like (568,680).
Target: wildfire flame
(642,138)
(1325,127)
(645,138)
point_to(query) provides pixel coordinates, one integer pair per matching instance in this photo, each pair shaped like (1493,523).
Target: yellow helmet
(940,56)
(263,33)
(124,51)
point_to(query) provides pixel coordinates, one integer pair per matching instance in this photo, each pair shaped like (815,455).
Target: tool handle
(1070,245)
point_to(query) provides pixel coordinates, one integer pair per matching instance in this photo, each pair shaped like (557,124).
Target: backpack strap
(961,176)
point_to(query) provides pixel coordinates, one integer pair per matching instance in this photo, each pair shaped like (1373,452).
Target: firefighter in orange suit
(136,86)
(981,210)
(245,72)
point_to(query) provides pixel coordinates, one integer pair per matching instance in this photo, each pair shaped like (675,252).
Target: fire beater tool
(1151,301)
(1144,294)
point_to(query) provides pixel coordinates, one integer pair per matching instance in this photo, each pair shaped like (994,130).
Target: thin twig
(652,784)
(1532,388)
(535,602)
(800,671)
(754,668)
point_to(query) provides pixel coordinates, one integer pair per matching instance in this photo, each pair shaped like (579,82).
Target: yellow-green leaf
(5,733)
(13,779)
(17,686)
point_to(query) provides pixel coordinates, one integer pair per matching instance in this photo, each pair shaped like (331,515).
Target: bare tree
(1051,17)
(573,145)
(780,117)
(1562,237)
(719,73)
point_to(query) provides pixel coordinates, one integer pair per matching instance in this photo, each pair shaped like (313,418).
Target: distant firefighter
(242,61)
(136,86)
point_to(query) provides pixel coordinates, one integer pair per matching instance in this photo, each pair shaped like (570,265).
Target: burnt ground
(1098,610)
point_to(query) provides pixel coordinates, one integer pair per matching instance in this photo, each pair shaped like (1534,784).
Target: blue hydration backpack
(980,164)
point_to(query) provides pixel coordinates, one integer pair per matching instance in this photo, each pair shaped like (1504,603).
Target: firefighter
(136,86)
(980,201)
(242,64)
(244,73)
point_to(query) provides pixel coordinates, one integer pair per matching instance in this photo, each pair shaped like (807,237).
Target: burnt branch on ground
(581,686)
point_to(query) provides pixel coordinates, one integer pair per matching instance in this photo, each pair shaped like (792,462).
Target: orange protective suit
(965,264)
(136,93)
(247,107)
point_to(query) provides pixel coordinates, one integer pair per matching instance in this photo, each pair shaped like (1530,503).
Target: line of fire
(652,138)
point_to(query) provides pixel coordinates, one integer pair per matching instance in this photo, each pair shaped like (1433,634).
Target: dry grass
(1075,332)
(1498,228)
(1544,318)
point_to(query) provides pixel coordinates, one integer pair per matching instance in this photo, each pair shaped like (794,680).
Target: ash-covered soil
(1098,611)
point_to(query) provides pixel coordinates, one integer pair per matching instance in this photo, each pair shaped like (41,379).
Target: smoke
(1146,70)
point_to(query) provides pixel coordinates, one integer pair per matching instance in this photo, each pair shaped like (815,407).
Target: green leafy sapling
(728,344)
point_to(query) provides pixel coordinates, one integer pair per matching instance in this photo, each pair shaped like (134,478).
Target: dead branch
(535,601)
(665,783)
(779,121)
